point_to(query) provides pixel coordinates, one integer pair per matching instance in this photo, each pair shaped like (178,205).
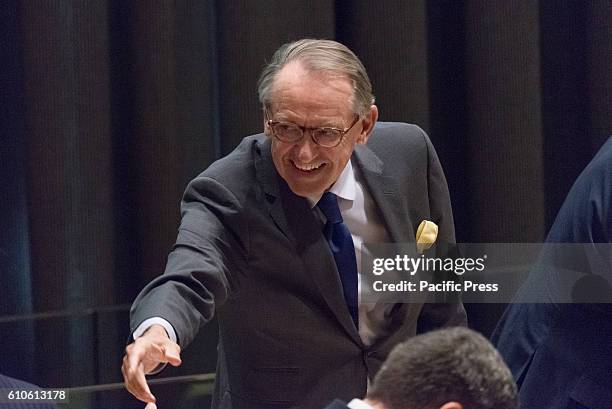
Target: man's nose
(306,148)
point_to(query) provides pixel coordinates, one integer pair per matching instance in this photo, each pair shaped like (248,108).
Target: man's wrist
(150,322)
(157,329)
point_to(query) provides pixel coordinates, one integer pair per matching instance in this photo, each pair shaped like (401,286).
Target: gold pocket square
(426,235)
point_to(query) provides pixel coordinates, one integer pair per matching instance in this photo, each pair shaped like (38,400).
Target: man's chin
(306,191)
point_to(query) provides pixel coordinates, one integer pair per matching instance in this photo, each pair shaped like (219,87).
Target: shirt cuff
(146,324)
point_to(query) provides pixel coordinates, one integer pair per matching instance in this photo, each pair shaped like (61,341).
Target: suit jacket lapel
(316,256)
(386,194)
(293,216)
(269,179)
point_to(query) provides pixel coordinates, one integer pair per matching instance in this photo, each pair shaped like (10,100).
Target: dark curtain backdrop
(109,107)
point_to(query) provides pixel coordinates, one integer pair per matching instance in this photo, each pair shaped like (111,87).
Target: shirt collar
(344,187)
(358,404)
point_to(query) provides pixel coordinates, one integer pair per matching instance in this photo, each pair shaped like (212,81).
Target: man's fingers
(141,357)
(135,353)
(173,354)
(141,385)
(165,352)
(133,373)
(151,405)
(136,384)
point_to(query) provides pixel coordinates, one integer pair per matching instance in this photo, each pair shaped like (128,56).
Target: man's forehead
(297,72)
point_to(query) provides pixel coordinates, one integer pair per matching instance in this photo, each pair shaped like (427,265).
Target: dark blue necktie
(341,244)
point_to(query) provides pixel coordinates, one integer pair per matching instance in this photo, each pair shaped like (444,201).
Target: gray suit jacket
(251,251)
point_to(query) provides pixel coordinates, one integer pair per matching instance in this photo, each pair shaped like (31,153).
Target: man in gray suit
(270,241)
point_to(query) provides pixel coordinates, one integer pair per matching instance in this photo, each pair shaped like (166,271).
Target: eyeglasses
(291,133)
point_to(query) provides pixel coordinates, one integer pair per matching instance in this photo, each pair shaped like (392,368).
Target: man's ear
(452,405)
(266,127)
(367,125)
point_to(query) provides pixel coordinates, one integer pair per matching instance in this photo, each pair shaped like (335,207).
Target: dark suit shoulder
(586,214)
(238,162)
(236,171)
(393,133)
(397,142)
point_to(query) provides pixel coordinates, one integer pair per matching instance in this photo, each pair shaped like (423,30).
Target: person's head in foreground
(454,368)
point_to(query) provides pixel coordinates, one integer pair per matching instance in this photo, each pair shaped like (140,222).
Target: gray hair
(323,56)
(453,364)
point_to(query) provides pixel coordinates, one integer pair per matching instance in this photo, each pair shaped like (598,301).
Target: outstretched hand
(145,354)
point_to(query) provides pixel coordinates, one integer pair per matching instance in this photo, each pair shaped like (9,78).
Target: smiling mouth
(308,167)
